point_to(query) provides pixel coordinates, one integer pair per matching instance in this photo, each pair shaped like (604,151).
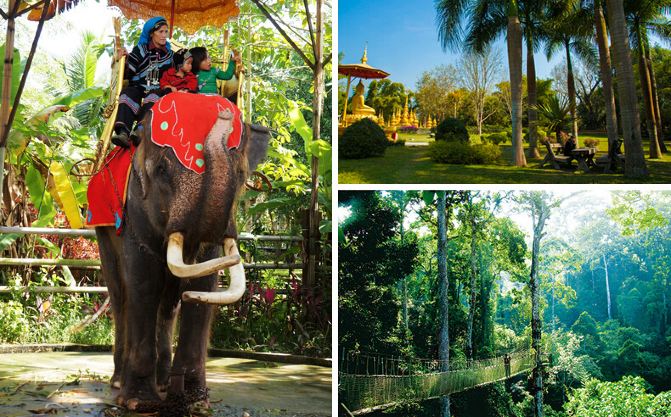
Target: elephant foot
(140,397)
(139,405)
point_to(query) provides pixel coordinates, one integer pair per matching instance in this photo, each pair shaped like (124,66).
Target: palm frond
(488,21)
(449,14)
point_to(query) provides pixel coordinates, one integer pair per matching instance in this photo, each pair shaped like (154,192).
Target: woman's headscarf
(150,26)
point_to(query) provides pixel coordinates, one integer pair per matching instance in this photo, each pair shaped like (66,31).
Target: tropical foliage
(52,146)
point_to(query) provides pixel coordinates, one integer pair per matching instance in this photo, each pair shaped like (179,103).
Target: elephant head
(187,208)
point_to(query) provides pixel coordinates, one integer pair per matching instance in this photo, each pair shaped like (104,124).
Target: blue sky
(403,39)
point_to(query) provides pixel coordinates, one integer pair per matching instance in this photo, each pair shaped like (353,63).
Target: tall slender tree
(635,166)
(646,90)
(643,17)
(444,343)
(569,28)
(605,70)
(487,20)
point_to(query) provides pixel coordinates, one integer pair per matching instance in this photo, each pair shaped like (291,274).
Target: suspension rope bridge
(371,382)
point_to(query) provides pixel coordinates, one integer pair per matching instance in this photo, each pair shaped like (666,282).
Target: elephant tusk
(235,290)
(179,269)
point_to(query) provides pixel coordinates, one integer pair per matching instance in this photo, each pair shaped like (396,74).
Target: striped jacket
(139,61)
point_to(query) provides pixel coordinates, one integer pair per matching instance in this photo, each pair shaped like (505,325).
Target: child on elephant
(208,76)
(180,77)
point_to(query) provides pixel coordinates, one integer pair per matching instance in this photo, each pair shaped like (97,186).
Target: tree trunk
(605,268)
(532,113)
(553,306)
(473,294)
(605,68)
(317,109)
(514,42)
(6,90)
(444,346)
(534,287)
(635,166)
(405,304)
(646,91)
(655,97)
(571,92)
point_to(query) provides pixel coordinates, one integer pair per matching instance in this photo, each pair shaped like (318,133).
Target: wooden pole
(344,110)
(6,88)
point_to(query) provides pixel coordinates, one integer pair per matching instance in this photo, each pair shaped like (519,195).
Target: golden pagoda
(380,119)
(404,116)
(396,119)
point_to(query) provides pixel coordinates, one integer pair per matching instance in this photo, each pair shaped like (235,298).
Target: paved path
(35,383)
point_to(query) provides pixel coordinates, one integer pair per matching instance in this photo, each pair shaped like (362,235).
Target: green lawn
(408,165)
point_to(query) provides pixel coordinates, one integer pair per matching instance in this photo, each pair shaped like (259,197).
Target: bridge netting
(386,381)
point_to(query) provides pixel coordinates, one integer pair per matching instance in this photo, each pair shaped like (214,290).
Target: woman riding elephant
(144,67)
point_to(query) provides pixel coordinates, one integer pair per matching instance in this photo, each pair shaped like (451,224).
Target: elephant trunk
(231,260)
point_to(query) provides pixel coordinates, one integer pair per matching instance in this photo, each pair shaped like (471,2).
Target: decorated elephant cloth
(180,121)
(183,120)
(107,190)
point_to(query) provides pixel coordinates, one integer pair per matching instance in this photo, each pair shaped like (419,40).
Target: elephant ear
(255,145)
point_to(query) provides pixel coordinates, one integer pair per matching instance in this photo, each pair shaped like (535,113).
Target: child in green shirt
(208,76)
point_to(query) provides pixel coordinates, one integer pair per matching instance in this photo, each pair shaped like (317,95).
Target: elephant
(174,217)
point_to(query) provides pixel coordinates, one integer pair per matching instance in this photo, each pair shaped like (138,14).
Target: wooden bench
(555,160)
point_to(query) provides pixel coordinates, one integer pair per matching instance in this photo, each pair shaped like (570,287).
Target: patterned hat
(180,58)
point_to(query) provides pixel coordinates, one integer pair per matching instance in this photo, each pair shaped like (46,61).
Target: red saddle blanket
(180,121)
(107,190)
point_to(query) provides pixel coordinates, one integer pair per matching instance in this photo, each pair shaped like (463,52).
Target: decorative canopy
(362,70)
(189,15)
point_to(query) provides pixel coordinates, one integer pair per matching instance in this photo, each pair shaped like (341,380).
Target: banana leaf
(39,196)
(66,194)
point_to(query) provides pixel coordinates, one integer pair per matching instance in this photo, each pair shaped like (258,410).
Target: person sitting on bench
(570,145)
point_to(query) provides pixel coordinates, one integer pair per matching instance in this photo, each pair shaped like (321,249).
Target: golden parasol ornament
(362,70)
(189,15)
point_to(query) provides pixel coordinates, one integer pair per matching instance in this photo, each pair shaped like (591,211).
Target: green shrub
(363,139)
(485,153)
(452,130)
(495,138)
(464,153)
(14,326)
(591,142)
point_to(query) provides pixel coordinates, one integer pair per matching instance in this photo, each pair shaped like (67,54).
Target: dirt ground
(74,384)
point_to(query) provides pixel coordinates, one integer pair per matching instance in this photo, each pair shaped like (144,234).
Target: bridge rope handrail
(360,363)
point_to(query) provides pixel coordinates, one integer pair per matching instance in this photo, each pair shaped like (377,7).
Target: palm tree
(487,20)
(646,90)
(605,69)
(532,12)
(644,17)
(569,27)
(635,166)
(555,111)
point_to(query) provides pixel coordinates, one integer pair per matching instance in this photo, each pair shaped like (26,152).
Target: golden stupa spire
(364,58)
